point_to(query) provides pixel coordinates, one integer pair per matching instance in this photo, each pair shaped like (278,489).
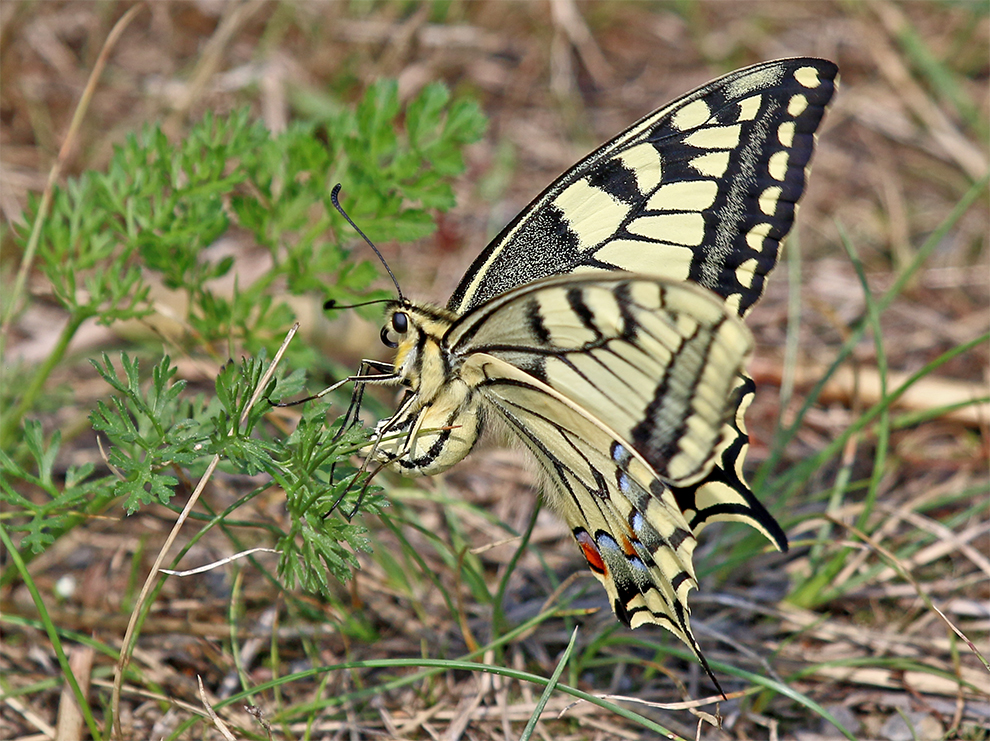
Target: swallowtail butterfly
(603,327)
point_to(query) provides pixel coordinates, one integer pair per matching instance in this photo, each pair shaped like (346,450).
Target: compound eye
(386,340)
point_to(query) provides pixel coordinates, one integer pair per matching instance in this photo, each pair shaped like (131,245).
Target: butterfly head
(438,421)
(416,332)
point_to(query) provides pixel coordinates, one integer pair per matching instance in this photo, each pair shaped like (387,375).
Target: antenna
(336,205)
(331,303)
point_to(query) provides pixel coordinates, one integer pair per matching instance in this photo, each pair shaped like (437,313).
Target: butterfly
(603,328)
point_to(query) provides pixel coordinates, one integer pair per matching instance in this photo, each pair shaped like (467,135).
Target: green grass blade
(548,690)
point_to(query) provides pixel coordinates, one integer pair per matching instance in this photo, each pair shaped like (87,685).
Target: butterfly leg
(385,375)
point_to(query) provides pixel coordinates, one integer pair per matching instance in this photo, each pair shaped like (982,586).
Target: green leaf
(425,114)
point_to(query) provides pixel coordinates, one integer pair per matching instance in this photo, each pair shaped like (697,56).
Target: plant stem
(12,421)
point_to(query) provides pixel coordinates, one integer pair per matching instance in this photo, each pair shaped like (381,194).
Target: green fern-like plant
(153,214)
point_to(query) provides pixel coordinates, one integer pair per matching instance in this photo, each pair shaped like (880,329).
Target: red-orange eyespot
(590,550)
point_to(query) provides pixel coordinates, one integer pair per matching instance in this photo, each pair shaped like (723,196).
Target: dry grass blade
(211,713)
(905,573)
(65,152)
(70,720)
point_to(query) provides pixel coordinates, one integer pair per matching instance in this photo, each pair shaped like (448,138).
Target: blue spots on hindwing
(637,521)
(606,542)
(619,454)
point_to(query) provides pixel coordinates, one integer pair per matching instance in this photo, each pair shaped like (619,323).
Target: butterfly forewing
(701,190)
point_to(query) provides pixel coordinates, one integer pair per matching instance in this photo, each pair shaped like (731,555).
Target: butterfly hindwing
(653,361)
(628,526)
(529,354)
(723,494)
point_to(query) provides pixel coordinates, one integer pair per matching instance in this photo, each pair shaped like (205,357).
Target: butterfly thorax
(439,420)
